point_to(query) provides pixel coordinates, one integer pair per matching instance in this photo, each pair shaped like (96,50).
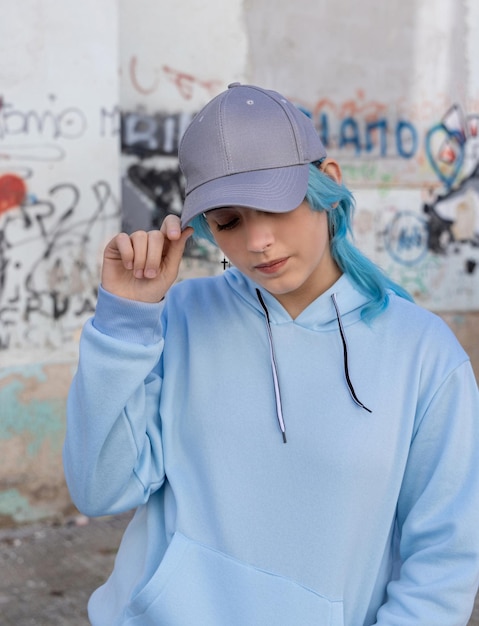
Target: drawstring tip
(284,437)
(358,401)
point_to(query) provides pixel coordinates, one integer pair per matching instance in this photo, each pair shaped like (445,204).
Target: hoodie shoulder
(426,330)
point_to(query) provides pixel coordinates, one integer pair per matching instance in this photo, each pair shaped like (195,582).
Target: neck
(295,303)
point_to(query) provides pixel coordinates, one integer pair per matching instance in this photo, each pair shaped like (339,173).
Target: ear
(331,168)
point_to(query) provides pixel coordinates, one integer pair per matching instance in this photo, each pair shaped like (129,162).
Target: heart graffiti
(445,152)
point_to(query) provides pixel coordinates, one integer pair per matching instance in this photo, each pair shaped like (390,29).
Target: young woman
(298,438)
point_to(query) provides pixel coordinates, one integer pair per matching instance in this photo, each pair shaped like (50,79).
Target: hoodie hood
(320,315)
(324,313)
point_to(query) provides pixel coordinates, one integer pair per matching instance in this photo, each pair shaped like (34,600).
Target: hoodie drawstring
(345,353)
(274,369)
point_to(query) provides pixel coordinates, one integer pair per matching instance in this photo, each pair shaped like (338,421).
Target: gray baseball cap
(247,147)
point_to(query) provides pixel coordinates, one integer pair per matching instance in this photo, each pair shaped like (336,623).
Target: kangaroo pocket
(199,586)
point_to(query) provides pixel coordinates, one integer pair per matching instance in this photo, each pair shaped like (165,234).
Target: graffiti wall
(59,203)
(94,99)
(398,106)
(417,193)
(58,178)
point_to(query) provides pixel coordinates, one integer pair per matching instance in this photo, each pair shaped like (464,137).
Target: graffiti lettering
(47,277)
(363,126)
(371,136)
(68,123)
(184,82)
(379,127)
(149,135)
(110,122)
(406,238)
(136,83)
(406,139)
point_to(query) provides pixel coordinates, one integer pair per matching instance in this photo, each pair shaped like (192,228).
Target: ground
(49,571)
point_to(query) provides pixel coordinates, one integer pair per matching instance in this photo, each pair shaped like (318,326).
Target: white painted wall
(58,75)
(175,56)
(59,204)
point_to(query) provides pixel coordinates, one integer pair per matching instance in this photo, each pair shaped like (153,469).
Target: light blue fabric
(360,519)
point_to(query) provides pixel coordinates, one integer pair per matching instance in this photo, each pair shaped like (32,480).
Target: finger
(154,253)
(139,241)
(120,247)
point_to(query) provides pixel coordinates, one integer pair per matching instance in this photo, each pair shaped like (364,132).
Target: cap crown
(245,129)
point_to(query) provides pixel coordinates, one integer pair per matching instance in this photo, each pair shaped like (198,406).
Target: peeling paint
(33,406)
(14,506)
(32,428)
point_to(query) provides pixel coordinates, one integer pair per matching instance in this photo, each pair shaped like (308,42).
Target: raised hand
(144,265)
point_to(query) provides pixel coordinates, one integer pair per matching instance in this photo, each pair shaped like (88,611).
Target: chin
(279,290)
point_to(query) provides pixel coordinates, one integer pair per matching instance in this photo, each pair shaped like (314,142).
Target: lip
(272,266)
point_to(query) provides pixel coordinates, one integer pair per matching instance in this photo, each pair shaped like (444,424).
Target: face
(286,253)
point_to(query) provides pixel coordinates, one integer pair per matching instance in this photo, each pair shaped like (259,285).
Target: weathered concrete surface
(49,572)
(466,328)
(32,428)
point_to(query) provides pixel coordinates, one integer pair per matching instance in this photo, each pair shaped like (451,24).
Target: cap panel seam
(283,106)
(225,140)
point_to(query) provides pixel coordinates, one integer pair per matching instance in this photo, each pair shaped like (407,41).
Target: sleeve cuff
(128,320)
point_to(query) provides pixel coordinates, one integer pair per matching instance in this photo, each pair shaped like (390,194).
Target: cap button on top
(234,85)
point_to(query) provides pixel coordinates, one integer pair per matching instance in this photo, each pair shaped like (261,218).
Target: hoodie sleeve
(112,456)
(438,513)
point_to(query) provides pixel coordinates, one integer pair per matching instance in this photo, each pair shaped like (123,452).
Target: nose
(259,232)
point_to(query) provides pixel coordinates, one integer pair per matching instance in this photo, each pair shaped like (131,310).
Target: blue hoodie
(369,514)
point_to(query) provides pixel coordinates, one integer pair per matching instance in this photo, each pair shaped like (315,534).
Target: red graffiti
(134,78)
(358,106)
(12,192)
(185,82)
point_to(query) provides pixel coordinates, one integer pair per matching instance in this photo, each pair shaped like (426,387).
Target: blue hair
(369,279)
(322,194)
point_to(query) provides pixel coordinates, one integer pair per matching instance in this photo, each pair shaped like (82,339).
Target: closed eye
(228,225)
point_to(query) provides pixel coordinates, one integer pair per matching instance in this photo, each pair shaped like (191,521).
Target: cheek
(217,236)
(313,229)
(227,245)
(316,241)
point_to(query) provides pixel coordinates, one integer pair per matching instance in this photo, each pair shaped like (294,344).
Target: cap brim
(274,190)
